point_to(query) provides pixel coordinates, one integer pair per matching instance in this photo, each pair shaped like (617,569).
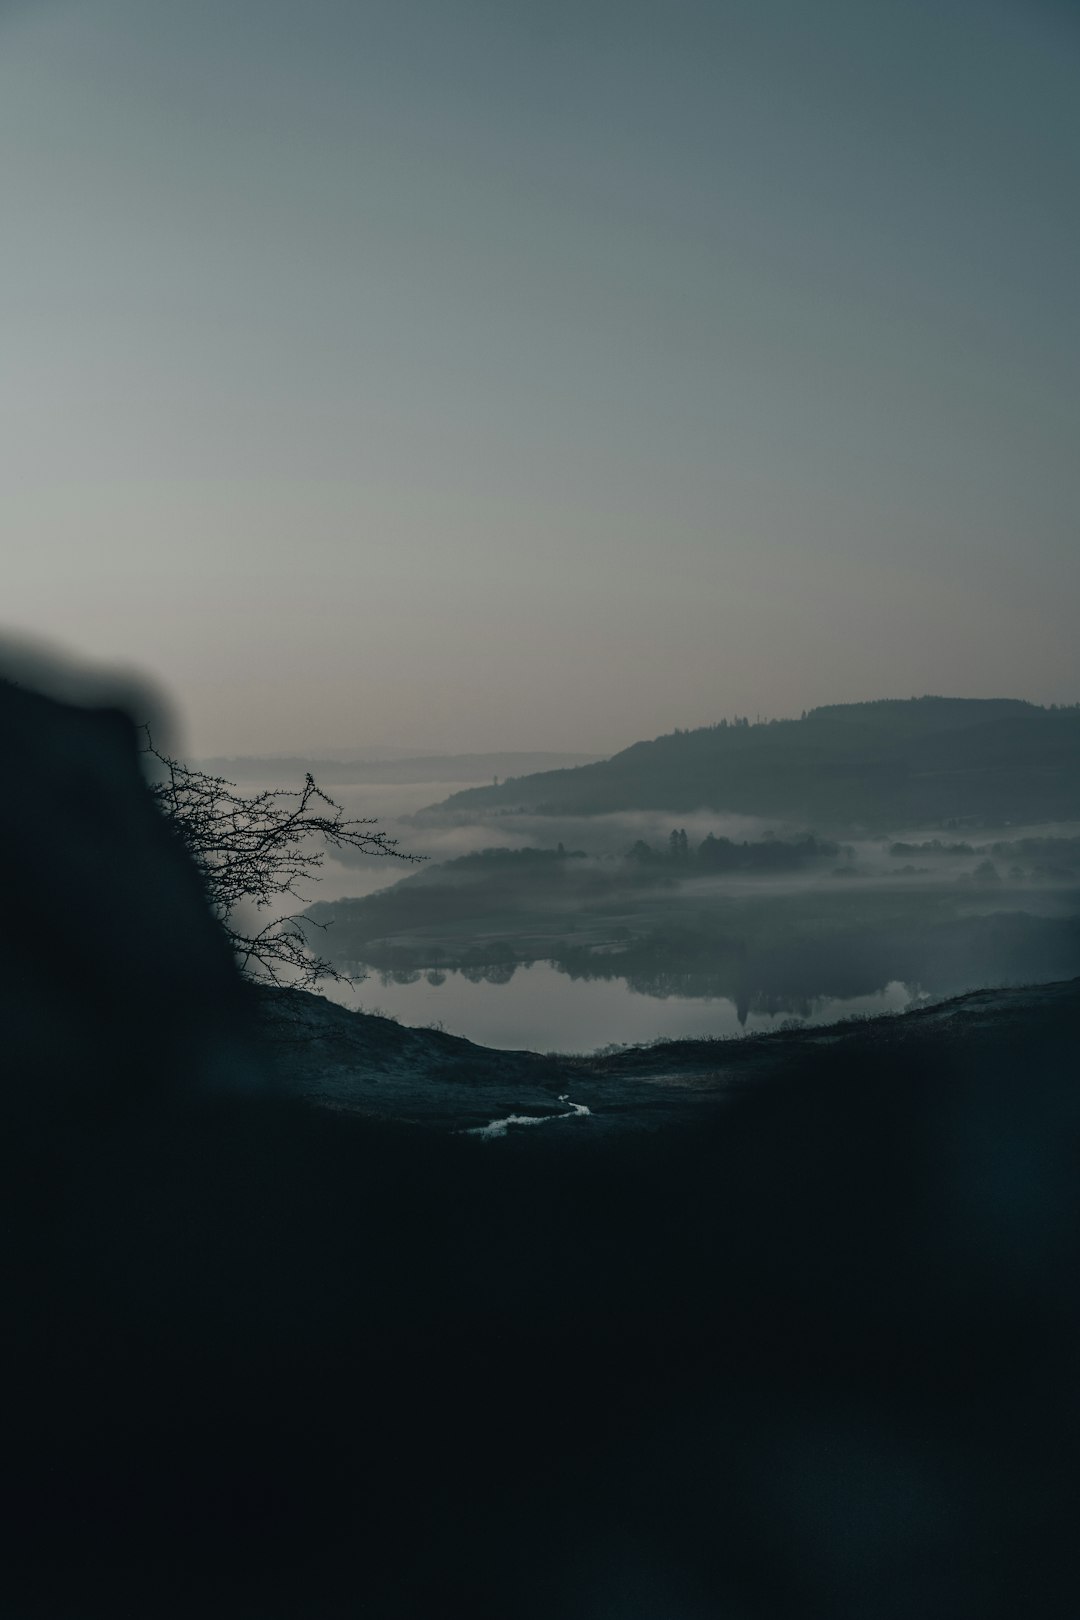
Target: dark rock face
(116,985)
(811,1353)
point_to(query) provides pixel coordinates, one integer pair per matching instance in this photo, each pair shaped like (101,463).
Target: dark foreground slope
(810,1349)
(878,765)
(374,1069)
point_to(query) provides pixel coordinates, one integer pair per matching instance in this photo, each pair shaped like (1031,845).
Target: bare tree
(254,848)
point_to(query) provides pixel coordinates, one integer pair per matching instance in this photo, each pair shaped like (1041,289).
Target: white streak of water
(501,1127)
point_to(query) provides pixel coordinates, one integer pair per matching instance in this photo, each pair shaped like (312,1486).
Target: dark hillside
(799,1340)
(804,1343)
(877,765)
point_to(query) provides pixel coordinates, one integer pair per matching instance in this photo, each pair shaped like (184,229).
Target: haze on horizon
(453,375)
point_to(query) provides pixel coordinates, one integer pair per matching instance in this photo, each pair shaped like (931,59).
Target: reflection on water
(885,917)
(538,1008)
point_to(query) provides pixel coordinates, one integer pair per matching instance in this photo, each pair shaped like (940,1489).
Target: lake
(543,1009)
(539,1007)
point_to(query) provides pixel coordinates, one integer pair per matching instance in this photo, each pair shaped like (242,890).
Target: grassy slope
(811,1353)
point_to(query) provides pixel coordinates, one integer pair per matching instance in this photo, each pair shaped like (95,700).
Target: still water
(542,1009)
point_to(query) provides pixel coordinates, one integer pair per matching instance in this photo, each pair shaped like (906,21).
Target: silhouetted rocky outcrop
(116,984)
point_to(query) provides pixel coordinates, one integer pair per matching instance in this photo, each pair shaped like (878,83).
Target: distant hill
(917,761)
(420,768)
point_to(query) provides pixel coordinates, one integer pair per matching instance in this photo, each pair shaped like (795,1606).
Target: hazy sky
(481,373)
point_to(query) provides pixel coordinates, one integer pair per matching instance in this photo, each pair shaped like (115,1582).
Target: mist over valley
(535,923)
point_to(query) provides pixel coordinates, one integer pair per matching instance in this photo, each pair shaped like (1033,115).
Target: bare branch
(256,847)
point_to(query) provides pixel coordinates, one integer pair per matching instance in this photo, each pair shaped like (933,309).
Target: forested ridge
(881,764)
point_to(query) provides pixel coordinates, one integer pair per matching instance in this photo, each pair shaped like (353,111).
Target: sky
(465,374)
